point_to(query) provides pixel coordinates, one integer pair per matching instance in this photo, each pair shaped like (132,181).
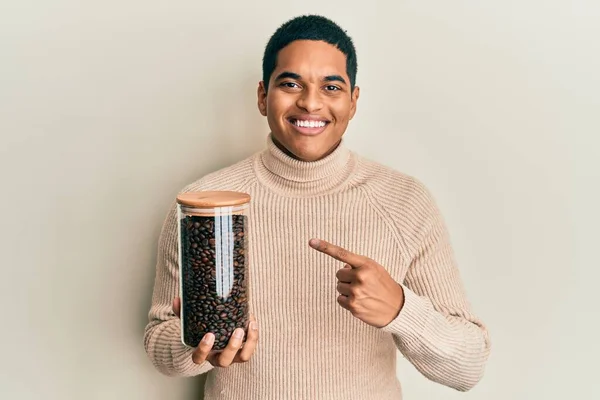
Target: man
(350,259)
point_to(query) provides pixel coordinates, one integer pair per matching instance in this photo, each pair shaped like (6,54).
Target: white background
(108,108)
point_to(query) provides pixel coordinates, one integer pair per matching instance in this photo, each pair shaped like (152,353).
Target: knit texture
(309,346)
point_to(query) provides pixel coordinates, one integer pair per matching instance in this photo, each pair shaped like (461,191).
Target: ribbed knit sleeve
(162,337)
(435,330)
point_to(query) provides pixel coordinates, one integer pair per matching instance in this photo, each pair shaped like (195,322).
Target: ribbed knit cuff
(412,320)
(188,367)
(172,356)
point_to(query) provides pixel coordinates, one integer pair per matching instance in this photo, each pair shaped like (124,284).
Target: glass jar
(213,265)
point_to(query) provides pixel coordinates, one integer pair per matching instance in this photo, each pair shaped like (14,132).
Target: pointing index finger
(337,252)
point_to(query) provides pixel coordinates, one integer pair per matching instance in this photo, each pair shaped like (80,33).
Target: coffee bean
(207,308)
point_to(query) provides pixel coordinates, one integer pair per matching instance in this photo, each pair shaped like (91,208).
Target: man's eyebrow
(288,74)
(293,75)
(334,78)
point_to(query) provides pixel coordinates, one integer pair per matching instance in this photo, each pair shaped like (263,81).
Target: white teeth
(310,124)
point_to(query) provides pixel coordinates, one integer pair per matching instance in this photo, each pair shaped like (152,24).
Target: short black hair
(309,27)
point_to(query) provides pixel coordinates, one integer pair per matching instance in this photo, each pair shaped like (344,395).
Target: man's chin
(303,148)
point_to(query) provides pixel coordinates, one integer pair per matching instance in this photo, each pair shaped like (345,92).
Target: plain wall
(108,108)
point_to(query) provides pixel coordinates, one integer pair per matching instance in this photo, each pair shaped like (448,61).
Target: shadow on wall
(197,392)
(240,132)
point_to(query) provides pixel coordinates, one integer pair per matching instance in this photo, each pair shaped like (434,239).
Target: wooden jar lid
(212,199)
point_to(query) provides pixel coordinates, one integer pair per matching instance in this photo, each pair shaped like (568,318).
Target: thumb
(177,306)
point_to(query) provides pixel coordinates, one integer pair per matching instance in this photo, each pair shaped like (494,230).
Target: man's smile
(308,125)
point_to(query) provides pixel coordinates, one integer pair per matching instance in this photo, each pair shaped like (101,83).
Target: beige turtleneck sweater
(309,346)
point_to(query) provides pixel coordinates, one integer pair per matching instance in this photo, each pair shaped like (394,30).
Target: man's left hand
(366,289)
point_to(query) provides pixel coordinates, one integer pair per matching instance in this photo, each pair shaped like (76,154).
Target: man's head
(308,92)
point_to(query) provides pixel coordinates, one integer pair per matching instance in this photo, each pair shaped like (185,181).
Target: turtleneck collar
(293,177)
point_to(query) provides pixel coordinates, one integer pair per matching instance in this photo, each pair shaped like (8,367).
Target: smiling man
(350,260)
(312,96)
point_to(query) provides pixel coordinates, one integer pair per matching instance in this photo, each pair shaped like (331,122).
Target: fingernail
(209,338)
(238,334)
(254,326)
(314,242)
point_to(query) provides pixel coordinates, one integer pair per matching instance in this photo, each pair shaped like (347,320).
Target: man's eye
(332,88)
(290,85)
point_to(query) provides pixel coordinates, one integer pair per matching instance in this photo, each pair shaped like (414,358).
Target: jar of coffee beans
(213,265)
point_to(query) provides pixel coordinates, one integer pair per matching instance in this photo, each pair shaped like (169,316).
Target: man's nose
(310,100)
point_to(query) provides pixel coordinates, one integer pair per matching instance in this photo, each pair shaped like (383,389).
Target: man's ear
(353,101)
(261,94)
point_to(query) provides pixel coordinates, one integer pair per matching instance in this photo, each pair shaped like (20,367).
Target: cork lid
(210,199)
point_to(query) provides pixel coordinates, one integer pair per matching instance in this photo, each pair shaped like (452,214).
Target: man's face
(309,101)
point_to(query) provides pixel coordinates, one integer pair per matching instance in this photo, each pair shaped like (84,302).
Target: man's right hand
(233,353)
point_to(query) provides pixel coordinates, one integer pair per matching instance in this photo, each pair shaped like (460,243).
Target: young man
(350,260)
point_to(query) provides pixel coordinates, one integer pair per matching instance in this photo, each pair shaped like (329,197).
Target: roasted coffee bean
(214,294)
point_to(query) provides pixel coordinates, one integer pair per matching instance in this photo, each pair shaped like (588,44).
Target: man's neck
(292,155)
